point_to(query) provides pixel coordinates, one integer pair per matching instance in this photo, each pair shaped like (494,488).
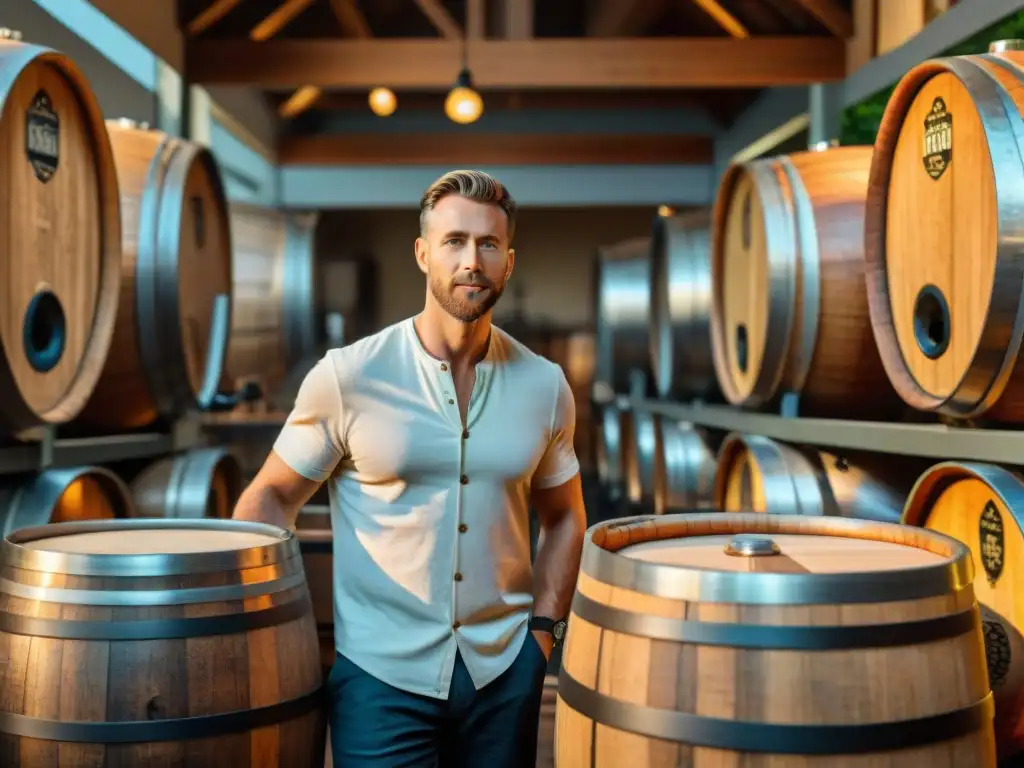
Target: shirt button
(456,625)
(450,401)
(444,367)
(465,434)
(463,528)
(464,480)
(458,577)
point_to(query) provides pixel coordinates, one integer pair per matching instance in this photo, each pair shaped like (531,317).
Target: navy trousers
(374,725)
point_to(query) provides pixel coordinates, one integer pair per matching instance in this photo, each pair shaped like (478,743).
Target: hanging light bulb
(463,104)
(383,101)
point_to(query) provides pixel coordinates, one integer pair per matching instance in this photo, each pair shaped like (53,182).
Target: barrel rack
(43,448)
(935,441)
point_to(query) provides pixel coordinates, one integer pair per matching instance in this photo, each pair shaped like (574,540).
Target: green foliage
(860,121)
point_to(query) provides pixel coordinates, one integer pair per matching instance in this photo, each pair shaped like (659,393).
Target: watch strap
(543,623)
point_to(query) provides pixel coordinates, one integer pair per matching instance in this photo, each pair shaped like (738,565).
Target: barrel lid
(999,46)
(775,559)
(148,547)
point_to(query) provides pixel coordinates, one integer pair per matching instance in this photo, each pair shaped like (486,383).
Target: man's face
(465,256)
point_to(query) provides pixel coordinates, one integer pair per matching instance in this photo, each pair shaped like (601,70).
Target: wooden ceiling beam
(419,64)
(468,149)
(830,15)
(733,26)
(623,18)
(278,19)
(210,15)
(515,19)
(351,20)
(443,21)
(476,20)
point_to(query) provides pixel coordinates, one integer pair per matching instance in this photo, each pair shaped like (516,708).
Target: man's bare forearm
(264,505)
(557,565)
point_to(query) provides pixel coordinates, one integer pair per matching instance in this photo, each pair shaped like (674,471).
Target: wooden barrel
(640,446)
(684,469)
(273,323)
(680,306)
(546,724)
(205,482)
(758,474)
(171,642)
(615,420)
(175,309)
(710,639)
(944,281)
(622,313)
(789,310)
(64,495)
(982,506)
(60,219)
(316,541)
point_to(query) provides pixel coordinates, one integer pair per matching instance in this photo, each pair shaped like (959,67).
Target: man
(436,436)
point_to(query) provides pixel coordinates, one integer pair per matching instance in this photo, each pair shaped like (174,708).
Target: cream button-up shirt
(431,518)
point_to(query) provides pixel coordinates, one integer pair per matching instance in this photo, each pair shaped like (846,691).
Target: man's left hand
(545,640)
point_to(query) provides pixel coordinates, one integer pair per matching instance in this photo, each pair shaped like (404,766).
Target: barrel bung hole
(741,347)
(44,331)
(931,322)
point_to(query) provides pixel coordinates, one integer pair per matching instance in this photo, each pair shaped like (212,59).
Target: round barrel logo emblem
(42,137)
(991,549)
(938,139)
(997,652)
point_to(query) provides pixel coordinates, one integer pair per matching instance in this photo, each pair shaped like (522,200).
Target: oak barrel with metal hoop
(175,306)
(982,505)
(63,495)
(942,236)
(316,541)
(614,423)
(746,639)
(669,465)
(758,474)
(203,482)
(622,312)
(60,237)
(789,310)
(546,724)
(680,332)
(273,323)
(158,642)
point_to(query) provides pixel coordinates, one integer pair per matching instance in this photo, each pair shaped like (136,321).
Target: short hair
(474,185)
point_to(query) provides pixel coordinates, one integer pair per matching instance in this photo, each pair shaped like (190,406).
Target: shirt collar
(487,361)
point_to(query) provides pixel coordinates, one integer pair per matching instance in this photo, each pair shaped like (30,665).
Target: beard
(472,308)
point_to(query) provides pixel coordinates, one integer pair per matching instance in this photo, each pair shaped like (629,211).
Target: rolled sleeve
(311,440)
(559,463)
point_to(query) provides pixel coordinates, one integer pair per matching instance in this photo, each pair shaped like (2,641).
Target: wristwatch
(555,627)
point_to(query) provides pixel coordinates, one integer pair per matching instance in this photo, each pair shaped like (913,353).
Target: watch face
(559,630)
